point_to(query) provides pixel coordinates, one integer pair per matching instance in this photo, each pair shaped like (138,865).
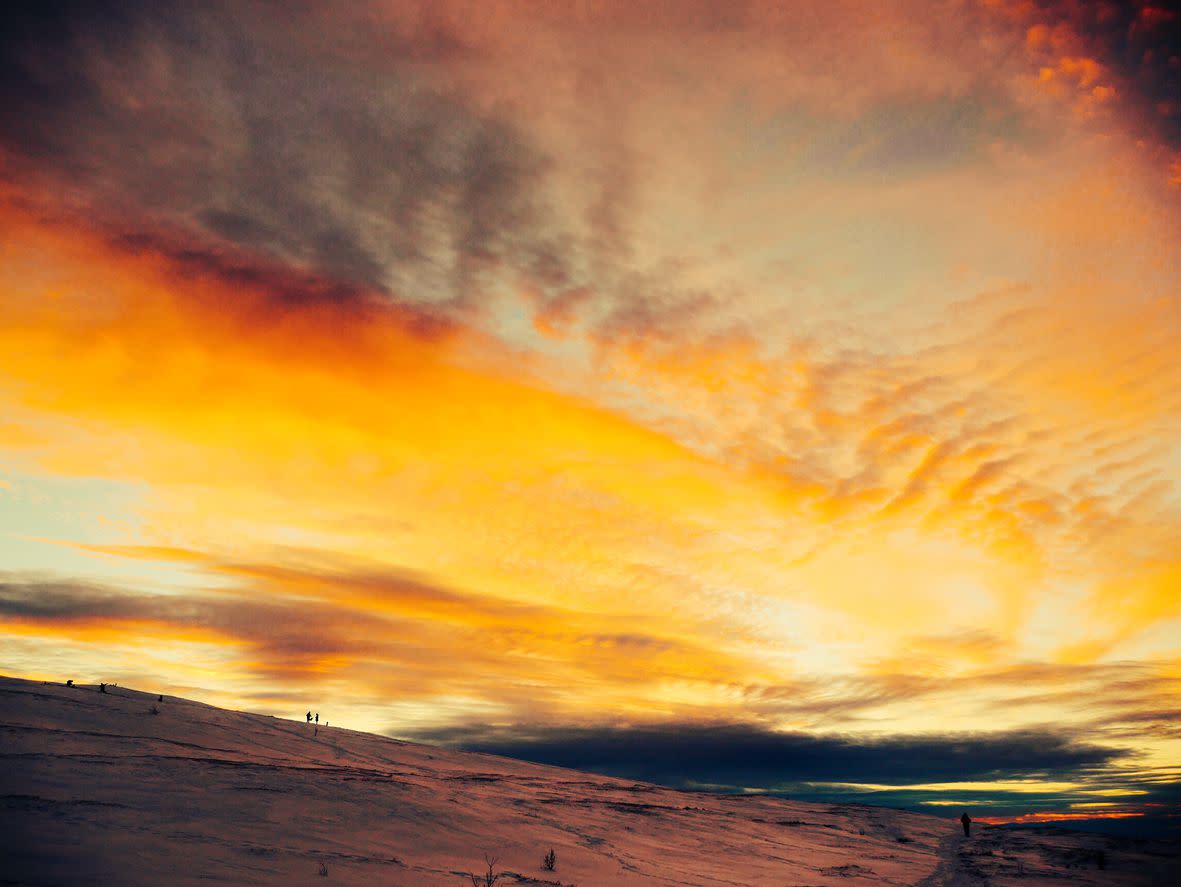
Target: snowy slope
(96,789)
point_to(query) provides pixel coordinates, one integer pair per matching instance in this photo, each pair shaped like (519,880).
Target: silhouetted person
(102,688)
(161,699)
(317,717)
(966,822)
(309,717)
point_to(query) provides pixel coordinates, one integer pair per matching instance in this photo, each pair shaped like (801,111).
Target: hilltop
(122,788)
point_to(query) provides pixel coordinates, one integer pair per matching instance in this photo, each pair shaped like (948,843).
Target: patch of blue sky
(44,518)
(511,320)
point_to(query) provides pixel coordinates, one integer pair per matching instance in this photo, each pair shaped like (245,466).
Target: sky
(747,396)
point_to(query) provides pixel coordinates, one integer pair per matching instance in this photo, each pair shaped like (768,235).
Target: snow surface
(96,789)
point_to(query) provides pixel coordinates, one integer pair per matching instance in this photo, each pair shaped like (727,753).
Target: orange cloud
(765,386)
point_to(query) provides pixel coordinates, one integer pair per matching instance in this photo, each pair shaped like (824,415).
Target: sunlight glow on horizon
(842,403)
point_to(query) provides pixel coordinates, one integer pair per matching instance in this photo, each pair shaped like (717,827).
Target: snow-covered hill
(121,788)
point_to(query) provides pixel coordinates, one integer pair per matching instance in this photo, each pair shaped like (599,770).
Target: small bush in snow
(489,878)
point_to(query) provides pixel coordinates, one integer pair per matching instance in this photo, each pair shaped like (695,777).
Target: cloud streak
(743,756)
(605,365)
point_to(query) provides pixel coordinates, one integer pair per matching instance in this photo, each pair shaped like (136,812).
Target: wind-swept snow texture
(97,789)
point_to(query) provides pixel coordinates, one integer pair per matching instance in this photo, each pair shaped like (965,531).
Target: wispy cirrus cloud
(643,347)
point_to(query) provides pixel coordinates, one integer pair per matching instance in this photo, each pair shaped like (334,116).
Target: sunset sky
(747,395)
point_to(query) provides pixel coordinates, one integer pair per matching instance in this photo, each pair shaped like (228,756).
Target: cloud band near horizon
(476,363)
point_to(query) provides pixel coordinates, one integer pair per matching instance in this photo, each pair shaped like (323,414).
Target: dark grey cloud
(750,756)
(393,626)
(892,771)
(291,635)
(1139,42)
(42,599)
(290,630)
(324,140)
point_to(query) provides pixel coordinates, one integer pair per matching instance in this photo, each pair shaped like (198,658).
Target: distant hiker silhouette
(317,717)
(309,717)
(966,821)
(102,688)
